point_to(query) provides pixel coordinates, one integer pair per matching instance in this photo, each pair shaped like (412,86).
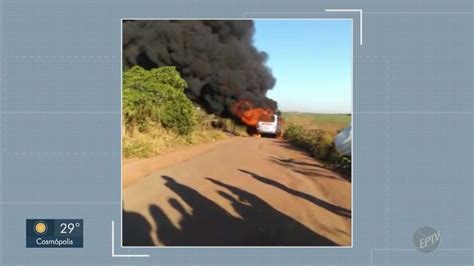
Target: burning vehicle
(259,121)
(272,128)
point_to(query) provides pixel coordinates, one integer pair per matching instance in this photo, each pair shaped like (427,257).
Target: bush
(318,143)
(157,115)
(156,97)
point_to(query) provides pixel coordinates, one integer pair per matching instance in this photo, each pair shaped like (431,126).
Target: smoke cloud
(216,58)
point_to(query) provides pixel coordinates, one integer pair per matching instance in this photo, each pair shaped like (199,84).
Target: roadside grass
(315,134)
(157,140)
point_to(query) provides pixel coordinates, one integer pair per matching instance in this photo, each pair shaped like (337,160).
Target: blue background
(59,229)
(413,122)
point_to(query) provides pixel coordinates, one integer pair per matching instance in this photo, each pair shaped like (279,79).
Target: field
(327,122)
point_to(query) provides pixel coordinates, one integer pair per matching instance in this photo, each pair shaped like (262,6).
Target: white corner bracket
(123,255)
(352,10)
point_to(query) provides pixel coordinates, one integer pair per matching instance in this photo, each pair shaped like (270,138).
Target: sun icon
(41,227)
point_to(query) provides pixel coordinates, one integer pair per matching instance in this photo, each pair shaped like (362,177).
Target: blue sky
(311,60)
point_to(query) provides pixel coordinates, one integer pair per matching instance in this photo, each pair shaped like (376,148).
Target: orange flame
(250,115)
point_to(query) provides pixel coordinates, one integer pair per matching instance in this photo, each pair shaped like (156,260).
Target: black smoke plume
(216,58)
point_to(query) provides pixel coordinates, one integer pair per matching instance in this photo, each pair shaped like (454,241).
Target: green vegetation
(157,115)
(156,97)
(328,122)
(159,140)
(315,134)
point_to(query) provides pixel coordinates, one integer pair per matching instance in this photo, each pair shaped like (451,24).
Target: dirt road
(242,191)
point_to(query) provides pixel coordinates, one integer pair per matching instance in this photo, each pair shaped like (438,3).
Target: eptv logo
(426,239)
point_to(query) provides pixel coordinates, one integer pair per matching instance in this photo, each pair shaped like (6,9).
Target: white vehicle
(343,141)
(272,128)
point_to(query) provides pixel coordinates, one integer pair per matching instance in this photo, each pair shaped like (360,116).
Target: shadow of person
(269,226)
(135,230)
(291,161)
(312,170)
(208,224)
(321,203)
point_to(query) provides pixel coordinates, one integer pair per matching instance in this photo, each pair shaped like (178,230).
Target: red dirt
(241,191)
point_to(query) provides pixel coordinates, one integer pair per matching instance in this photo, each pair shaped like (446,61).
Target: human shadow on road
(211,225)
(318,202)
(287,145)
(269,226)
(289,161)
(207,225)
(136,230)
(308,169)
